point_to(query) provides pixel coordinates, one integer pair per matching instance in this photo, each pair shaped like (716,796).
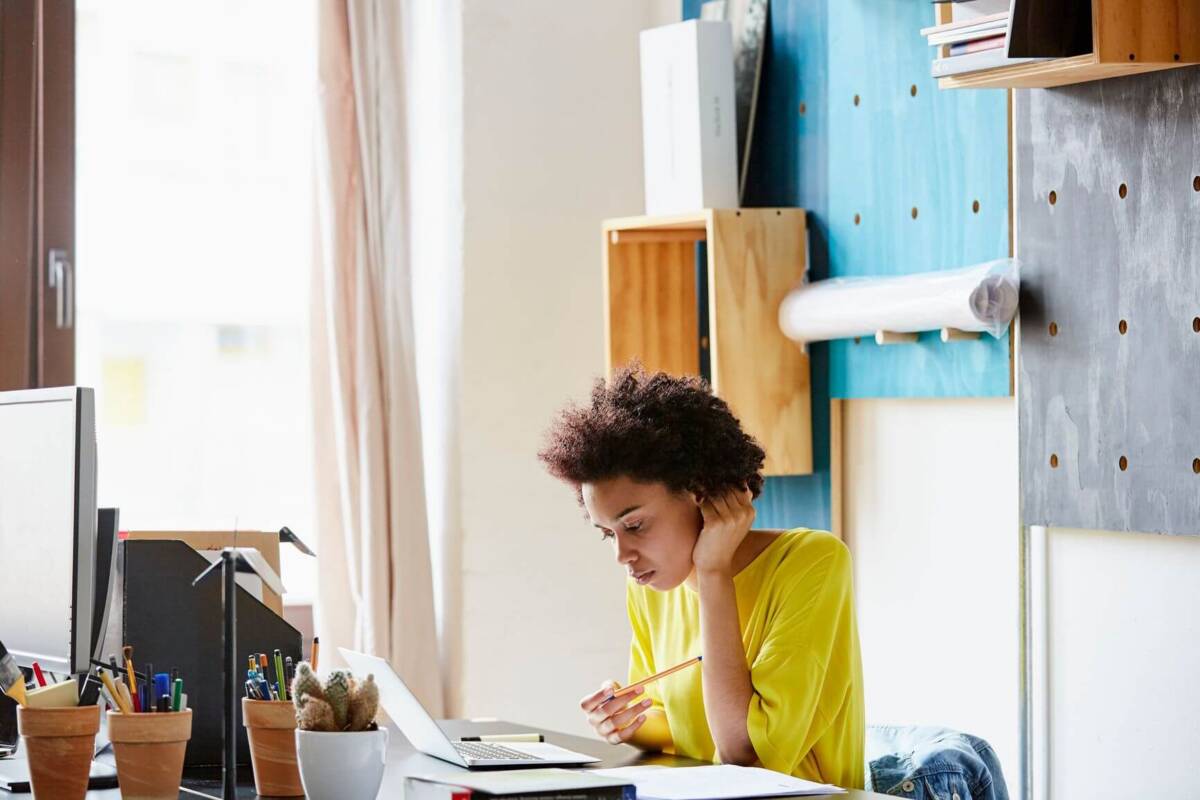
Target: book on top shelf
(977,45)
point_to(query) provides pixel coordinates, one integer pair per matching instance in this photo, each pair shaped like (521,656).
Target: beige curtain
(374,588)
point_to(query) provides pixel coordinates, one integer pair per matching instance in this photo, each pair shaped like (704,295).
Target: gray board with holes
(1107,195)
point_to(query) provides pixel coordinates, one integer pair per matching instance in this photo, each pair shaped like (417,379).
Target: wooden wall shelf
(652,312)
(1128,37)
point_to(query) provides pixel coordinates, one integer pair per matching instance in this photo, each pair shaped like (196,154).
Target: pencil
(279,675)
(115,695)
(316,651)
(644,681)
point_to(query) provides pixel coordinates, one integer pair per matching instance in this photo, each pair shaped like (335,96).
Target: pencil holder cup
(149,750)
(270,727)
(60,743)
(342,765)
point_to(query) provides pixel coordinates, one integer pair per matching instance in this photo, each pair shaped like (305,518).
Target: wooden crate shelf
(652,313)
(1128,37)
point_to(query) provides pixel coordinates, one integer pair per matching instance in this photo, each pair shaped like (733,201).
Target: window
(194,236)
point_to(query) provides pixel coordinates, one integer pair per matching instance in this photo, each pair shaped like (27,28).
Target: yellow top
(795,603)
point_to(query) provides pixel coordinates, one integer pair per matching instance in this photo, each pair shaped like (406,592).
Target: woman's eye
(637,526)
(605,535)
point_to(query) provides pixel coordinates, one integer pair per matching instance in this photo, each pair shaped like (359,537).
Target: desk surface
(403,761)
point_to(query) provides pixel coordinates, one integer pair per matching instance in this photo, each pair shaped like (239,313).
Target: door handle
(62,280)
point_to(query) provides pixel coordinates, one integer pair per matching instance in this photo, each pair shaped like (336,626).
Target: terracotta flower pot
(270,727)
(149,750)
(60,743)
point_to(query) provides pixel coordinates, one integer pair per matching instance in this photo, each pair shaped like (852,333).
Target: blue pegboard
(896,143)
(789,166)
(936,151)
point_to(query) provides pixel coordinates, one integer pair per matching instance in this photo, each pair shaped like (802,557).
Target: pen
(505,737)
(316,651)
(162,688)
(289,673)
(147,689)
(177,695)
(37,673)
(644,681)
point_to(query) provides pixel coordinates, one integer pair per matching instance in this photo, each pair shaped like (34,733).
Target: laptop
(425,735)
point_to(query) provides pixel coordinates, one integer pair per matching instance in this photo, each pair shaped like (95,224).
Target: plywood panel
(755,257)
(1107,206)
(918,181)
(650,306)
(1150,31)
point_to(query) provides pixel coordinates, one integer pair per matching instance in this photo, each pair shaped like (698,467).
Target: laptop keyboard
(491,752)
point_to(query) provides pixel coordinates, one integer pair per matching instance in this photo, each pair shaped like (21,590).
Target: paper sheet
(526,781)
(718,782)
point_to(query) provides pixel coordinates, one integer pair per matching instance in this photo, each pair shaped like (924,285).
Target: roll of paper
(978,298)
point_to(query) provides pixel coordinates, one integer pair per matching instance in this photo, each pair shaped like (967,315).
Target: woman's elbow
(739,757)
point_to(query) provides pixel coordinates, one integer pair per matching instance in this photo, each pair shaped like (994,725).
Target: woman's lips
(644,577)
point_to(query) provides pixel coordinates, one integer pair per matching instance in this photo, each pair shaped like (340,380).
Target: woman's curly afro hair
(653,428)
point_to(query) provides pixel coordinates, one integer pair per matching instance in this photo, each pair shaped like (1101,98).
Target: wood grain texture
(1148,31)
(18,276)
(1088,394)
(1129,37)
(656,236)
(755,257)
(1047,74)
(896,152)
(650,306)
(836,468)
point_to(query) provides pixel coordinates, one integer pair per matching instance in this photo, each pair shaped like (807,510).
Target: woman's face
(651,528)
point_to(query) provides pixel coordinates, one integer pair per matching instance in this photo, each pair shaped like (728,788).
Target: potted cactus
(340,747)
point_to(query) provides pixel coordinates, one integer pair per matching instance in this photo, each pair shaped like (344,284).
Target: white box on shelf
(689,122)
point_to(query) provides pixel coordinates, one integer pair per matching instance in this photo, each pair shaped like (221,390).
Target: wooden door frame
(18,356)
(37,189)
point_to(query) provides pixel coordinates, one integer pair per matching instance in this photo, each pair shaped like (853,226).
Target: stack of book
(971,45)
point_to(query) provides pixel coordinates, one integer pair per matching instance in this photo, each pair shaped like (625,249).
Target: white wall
(552,139)
(931,518)
(1122,664)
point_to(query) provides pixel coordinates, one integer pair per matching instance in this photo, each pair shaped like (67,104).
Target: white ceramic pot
(341,766)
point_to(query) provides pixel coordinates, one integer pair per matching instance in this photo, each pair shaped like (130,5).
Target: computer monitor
(48,524)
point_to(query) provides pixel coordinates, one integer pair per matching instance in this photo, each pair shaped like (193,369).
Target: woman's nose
(625,553)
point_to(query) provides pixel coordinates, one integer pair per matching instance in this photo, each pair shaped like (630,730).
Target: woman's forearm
(655,733)
(725,675)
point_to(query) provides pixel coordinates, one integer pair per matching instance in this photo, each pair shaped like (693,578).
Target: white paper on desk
(526,781)
(717,782)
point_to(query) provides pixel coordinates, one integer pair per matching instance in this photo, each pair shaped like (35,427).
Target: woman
(666,473)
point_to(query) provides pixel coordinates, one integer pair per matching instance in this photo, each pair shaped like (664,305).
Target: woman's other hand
(619,718)
(727,520)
